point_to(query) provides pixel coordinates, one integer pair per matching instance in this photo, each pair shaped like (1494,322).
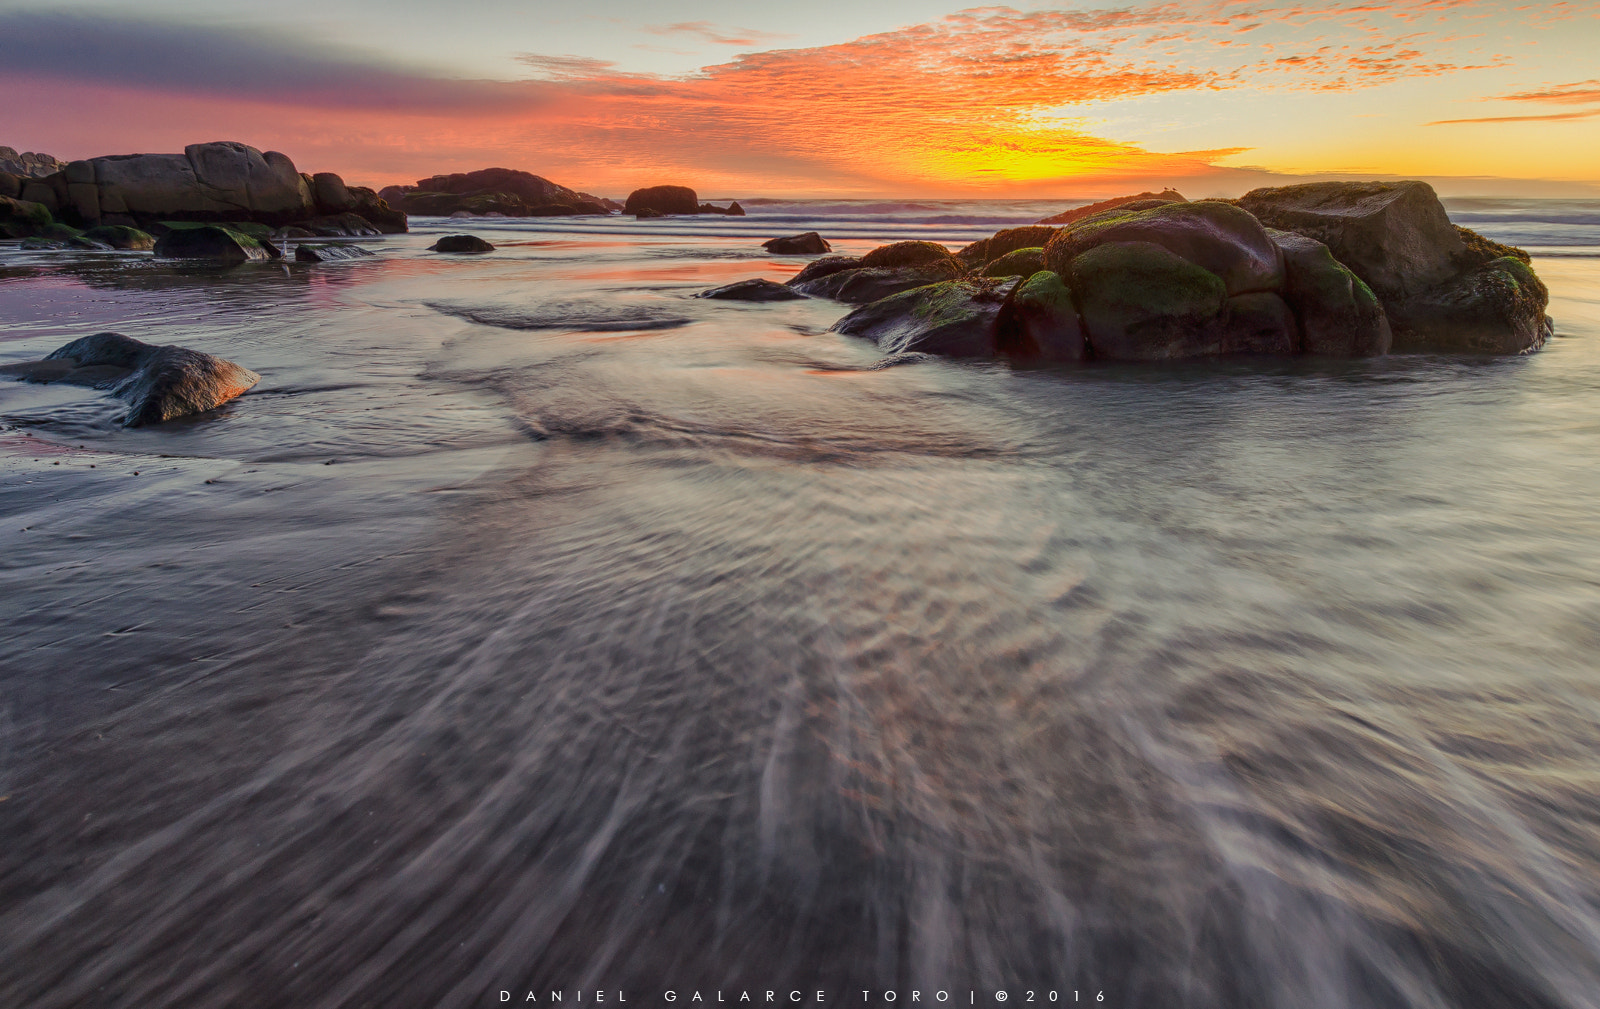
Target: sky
(897,98)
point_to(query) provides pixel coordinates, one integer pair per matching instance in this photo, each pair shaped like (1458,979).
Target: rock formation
(494,191)
(663,200)
(1332,269)
(461,243)
(28,165)
(215,182)
(158,383)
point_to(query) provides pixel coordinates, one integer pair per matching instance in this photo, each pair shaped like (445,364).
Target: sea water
(534,625)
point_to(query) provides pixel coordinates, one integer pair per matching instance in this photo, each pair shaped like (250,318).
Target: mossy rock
(1339,316)
(1218,237)
(1260,322)
(898,254)
(210,243)
(863,285)
(23,218)
(1481,250)
(1142,302)
(1495,309)
(1041,322)
(1017,263)
(1005,241)
(953,318)
(120,236)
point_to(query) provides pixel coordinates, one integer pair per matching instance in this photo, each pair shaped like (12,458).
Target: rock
(1040,321)
(10,185)
(554,210)
(1147,200)
(330,195)
(87,244)
(1017,263)
(119,236)
(348,225)
(823,267)
(734,210)
(1339,316)
(808,244)
(37,244)
(158,383)
(1259,323)
(208,182)
(956,318)
(461,243)
(392,195)
(42,193)
(1141,302)
(377,211)
(1215,236)
(1394,236)
(23,218)
(863,285)
(222,245)
(29,164)
(647,214)
(530,189)
(1497,308)
(328,253)
(463,213)
(752,290)
(1003,242)
(898,254)
(663,200)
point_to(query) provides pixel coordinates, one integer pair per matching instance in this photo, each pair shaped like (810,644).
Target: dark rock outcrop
(28,165)
(210,243)
(956,318)
(808,244)
(158,383)
(328,253)
(120,236)
(1004,242)
(663,200)
(1040,322)
(1146,201)
(1142,302)
(499,190)
(461,243)
(1434,279)
(734,210)
(752,290)
(1339,315)
(23,218)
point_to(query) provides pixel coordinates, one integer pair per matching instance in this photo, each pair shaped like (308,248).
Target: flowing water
(533,625)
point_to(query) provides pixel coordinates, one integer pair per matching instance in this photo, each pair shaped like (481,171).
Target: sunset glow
(996,101)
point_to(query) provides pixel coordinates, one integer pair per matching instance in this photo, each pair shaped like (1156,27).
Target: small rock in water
(158,383)
(808,244)
(328,253)
(221,245)
(757,289)
(461,243)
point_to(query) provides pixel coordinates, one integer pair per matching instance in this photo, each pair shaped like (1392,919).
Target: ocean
(534,626)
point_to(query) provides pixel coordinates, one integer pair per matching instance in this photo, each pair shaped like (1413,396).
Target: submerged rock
(808,244)
(220,245)
(328,253)
(461,243)
(120,236)
(663,200)
(158,383)
(956,318)
(752,290)
(862,284)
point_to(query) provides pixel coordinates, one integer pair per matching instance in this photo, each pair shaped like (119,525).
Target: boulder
(1040,321)
(118,236)
(956,318)
(1216,236)
(1017,263)
(823,267)
(1497,308)
(1339,316)
(42,193)
(392,195)
(897,254)
(1003,242)
(752,290)
(22,218)
(1395,236)
(863,284)
(10,185)
(371,207)
(158,383)
(807,244)
(1139,301)
(330,195)
(328,253)
(1146,201)
(663,200)
(346,225)
(734,210)
(461,243)
(208,182)
(219,245)
(647,213)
